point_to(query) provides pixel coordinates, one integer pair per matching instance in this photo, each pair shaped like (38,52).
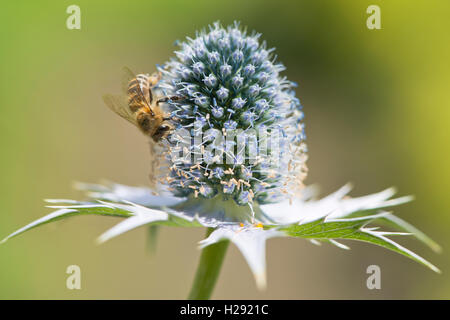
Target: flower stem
(208,269)
(152,237)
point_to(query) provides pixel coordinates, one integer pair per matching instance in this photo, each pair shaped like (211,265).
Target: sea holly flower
(235,164)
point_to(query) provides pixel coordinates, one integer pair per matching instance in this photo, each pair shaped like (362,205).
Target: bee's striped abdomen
(138,90)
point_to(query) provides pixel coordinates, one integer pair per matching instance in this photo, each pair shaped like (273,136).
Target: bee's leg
(173,98)
(171,118)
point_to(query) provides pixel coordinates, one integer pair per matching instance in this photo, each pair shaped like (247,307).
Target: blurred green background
(377,114)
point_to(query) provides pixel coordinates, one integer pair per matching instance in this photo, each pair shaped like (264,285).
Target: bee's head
(162,131)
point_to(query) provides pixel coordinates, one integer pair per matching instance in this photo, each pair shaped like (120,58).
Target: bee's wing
(119,105)
(127,76)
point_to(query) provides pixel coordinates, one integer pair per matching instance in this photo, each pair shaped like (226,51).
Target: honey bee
(140,106)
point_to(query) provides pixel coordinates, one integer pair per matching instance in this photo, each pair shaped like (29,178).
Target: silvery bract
(231,88)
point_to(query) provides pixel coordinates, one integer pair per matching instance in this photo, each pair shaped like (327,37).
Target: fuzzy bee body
(140,106)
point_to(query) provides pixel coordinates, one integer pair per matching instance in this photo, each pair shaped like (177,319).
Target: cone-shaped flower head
(239,124)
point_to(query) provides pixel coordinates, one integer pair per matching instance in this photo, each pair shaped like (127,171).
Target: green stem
(208,269)
(152,237)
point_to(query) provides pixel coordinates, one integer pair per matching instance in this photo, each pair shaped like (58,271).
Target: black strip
(225,309)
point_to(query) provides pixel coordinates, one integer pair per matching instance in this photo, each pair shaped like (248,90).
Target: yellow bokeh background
(377,114)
